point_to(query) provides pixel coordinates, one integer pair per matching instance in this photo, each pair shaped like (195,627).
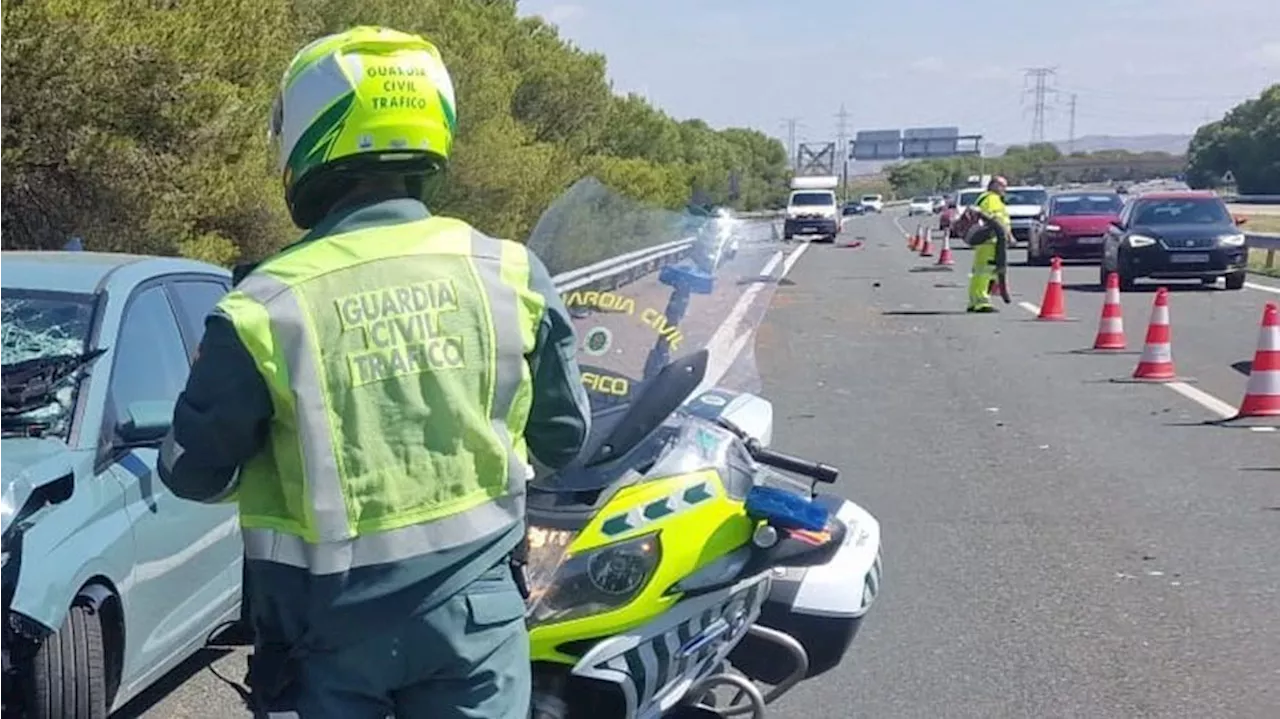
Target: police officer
(370,397)
(983,274)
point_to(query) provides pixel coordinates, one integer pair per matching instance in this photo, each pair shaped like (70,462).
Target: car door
(183,580)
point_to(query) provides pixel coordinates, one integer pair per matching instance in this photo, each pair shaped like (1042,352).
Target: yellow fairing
(705,525)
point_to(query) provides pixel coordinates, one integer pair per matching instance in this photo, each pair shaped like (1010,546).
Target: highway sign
(876,145)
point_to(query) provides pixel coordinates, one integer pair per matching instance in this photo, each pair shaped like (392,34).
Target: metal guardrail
(1252,199)
(647,260)
(644,261)
(1268,243)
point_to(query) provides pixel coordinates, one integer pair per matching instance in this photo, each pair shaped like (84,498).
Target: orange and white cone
(1262,394)
(1156,363)
(1110,335)
(913,240)
(944,257)
(1054,304)
(926,246)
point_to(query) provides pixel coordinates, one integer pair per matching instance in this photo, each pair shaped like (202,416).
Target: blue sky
(1136,66)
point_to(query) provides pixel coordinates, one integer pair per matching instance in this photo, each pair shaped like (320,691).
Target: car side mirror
(1241,219)
(146,422)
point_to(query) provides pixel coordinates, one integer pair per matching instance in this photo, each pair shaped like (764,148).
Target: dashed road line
(1199,396)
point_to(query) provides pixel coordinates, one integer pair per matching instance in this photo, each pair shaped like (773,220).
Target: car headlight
(595,581)
(1140,241)
(1053,228)
(1232,240)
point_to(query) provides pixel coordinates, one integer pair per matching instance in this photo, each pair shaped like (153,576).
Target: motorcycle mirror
(661,396)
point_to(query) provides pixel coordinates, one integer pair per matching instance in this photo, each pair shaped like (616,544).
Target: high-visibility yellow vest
(395,360)
(993,204)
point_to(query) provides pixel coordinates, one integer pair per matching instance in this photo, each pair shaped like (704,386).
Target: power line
(1041,92)
(791,123)
(1071,143)
(1141,97)
(842,134)
(842,128)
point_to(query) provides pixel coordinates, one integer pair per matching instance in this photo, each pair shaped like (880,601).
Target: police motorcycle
(674,570)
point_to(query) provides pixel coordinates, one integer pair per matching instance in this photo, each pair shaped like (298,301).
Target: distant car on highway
(939,203)
(873,203)
(853,208)
(1074,226)
(1026,206)
(109,581)
(919,206)
(1175,235)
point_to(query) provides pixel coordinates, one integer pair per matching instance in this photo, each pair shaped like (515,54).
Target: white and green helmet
(369,93)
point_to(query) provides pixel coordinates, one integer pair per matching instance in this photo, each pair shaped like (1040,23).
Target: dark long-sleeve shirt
(222,418)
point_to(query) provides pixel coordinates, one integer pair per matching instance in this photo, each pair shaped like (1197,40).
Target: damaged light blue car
(109,581)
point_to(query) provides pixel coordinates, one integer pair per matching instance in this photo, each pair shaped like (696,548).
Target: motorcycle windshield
(647,286)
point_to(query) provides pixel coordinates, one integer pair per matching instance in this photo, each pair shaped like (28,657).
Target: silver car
(109,580)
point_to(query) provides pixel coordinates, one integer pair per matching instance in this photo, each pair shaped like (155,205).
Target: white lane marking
(1204,399)
(1200,397)
(721,360)
(790,262)
(1264,288)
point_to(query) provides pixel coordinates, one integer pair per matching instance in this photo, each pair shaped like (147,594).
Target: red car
(1074,226)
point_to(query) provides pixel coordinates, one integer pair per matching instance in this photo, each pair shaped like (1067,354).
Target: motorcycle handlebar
(816,471)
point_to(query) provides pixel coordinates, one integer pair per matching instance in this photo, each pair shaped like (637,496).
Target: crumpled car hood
(26,464)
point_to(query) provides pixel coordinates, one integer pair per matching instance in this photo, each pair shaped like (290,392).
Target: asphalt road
(1056,544)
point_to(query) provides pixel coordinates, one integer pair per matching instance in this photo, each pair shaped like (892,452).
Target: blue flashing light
(688,278)
(785,510)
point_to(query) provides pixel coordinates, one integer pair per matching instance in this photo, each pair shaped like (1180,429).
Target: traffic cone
(944,257)
(913,240)
(1110,335)
(926,247)
(1054,305)
(1262,394)
(1156,363)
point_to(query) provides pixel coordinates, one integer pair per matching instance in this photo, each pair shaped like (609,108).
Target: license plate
(1089,240)
(1189,258)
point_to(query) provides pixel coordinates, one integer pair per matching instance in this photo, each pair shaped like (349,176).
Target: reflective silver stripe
(319,457)
(397,544)
(171,452)
(509,370)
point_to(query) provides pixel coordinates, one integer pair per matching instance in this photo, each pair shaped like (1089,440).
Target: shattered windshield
(37,326)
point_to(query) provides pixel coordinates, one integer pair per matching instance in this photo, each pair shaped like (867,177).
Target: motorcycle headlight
(1232,240)
(1140,241)
(597,580)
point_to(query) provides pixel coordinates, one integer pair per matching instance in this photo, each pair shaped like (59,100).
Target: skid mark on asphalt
(1200,397)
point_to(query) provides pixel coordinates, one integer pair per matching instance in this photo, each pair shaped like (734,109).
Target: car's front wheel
(68,675)
(1235,281)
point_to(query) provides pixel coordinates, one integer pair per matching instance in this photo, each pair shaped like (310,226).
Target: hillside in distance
(1172,144)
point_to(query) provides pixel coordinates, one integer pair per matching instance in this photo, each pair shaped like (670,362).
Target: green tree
(1246,143)
(140,126)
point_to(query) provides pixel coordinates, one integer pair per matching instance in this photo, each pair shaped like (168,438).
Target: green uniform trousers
(467,658)
(982,275)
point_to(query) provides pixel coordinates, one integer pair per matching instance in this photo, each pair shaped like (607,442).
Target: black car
(1175,235)
(853,208)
